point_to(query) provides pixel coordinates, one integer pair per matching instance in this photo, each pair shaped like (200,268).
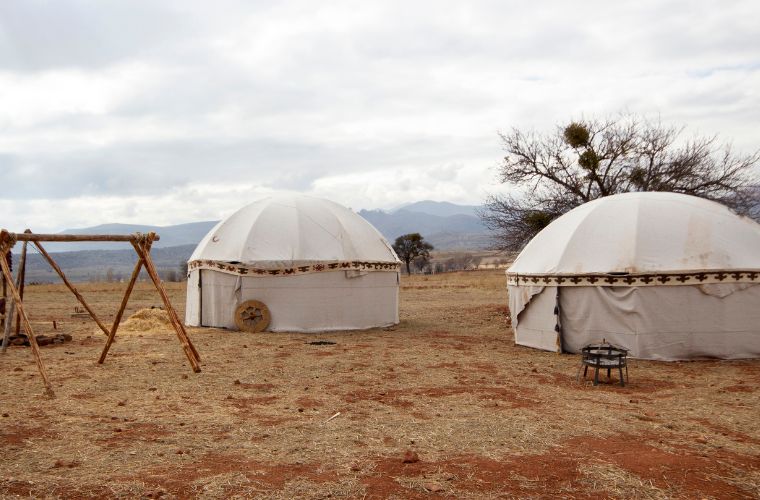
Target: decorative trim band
(317,267)
(648,279)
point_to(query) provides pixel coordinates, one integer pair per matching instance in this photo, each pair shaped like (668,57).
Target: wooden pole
(189,348)
(70,286)
(9,313)
(27,326)
(4,310)
(120,313)
(7,322)
(178,325)
(21,277)
(78,237)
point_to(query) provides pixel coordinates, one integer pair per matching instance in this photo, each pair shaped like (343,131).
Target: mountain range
(447,226)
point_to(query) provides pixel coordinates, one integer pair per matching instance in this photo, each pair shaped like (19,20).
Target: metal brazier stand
(604,356)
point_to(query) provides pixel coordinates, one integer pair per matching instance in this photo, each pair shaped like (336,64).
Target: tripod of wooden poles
(140,242)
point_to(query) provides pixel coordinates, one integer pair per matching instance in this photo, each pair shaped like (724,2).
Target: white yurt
(293,263)
(667,276)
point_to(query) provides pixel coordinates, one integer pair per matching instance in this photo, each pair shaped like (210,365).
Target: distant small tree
(183,270)
(410,247)
(170,275)
(422,265)
(460,262)
(110,275)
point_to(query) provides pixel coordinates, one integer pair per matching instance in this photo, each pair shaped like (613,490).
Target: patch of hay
(145,320)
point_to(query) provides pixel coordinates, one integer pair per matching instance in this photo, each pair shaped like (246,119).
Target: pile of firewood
(22,340)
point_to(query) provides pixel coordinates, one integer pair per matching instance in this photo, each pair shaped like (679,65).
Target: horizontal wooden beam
(71,237)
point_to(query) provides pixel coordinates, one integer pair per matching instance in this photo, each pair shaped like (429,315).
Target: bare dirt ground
(447,386)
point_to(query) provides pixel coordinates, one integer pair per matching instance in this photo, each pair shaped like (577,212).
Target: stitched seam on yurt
(318,267)
(639,279)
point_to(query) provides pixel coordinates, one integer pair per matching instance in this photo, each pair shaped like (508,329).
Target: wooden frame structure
(140,242)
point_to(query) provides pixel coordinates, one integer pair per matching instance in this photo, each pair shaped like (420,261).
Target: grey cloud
(37,35)
(284,94)
(134,169)
(152,168)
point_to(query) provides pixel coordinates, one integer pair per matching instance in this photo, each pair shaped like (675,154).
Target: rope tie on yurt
(7,241)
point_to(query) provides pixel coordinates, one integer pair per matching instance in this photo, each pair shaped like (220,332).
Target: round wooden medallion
(252,316)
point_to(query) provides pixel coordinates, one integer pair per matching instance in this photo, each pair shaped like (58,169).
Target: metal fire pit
(604,356)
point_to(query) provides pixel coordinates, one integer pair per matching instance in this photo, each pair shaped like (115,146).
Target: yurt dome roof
(643,233)
(291,230)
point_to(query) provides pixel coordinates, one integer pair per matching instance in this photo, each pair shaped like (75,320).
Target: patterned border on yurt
(317,267)
(644,279)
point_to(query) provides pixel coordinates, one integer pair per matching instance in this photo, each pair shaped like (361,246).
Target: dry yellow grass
(487,418)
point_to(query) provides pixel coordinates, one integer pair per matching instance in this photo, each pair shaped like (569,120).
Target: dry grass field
(475,415)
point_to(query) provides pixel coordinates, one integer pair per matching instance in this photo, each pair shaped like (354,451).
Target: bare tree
(589,159)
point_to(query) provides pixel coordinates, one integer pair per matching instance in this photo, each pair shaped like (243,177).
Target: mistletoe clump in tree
(410,247)
(589,159)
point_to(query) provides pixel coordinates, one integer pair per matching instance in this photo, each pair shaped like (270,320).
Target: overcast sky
(178,111)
